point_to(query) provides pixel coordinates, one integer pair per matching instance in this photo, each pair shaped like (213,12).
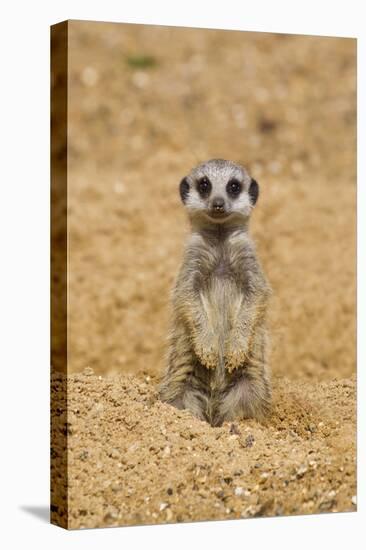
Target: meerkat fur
(218,345)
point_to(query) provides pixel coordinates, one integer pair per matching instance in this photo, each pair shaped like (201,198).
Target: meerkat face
(219,191)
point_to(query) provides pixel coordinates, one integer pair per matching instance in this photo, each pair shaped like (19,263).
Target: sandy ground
(134,460)
(145,105)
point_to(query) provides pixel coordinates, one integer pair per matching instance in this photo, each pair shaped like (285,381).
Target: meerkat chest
(221,264)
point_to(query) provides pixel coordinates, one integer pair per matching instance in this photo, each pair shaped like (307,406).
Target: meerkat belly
(221,301)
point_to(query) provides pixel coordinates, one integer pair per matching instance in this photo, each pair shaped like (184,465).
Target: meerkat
(217,359)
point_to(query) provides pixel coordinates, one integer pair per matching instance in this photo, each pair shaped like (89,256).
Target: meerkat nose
(218,203)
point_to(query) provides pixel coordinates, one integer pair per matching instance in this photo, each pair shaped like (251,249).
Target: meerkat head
(219,191)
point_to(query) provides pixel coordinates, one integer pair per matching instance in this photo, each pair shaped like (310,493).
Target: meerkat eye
(234,187)
(204,186)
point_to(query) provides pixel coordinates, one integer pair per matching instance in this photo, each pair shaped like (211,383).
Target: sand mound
(135,460)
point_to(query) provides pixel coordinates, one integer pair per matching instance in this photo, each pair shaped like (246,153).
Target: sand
(145,105)
(134,460)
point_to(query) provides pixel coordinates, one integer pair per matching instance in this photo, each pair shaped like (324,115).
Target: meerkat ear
(253,191)
(184,189)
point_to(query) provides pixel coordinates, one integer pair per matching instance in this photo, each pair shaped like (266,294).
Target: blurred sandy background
(147,103)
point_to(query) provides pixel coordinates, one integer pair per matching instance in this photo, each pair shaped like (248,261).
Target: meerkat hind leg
(182,386)
(248,397)
(195,402)
(190,399)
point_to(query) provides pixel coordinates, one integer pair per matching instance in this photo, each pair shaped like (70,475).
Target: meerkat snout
(217,366)
(218,204)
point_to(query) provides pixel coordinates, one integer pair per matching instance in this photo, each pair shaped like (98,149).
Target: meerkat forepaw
(235,357)
(206,348)
(208,357)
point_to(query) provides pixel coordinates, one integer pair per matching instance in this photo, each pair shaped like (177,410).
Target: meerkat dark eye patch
(184,189)
(204,186)
(233,188)
(253,191)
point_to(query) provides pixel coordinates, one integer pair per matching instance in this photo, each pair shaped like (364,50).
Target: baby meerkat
(217,364)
